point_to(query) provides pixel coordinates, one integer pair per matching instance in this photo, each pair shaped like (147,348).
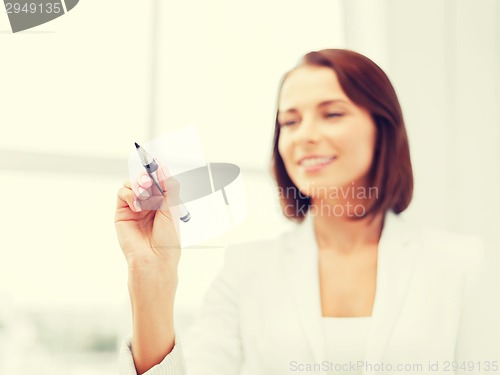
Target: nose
(308,131)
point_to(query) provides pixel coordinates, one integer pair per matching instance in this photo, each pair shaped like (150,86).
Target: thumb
(170,197)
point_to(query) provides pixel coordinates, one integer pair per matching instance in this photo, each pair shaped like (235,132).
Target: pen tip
(136,145)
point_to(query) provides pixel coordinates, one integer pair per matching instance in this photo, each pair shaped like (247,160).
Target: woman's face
(326,141)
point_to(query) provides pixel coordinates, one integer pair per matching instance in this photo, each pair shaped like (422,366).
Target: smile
(314,164)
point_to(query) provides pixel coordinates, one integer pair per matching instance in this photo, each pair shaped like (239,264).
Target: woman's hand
(147,224)
(147,227)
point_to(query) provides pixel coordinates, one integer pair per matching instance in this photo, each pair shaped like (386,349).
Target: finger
(165,204)
(153,203)
(140,192)
(126,197)
(170,185)
(163,174)
(144,180)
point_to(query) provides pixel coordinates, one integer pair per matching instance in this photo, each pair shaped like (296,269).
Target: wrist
(152,297)
(147,269)
(152,282)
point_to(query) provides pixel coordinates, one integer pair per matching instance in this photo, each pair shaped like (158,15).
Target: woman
(353,289)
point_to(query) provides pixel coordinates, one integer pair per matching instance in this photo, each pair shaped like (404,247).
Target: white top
(345,340)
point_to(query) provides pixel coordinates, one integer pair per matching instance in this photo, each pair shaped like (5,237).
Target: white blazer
(262,313)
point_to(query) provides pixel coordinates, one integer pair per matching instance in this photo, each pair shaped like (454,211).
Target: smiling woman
(346,284)
(339,123)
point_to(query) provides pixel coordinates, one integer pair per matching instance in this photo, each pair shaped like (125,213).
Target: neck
(339,232)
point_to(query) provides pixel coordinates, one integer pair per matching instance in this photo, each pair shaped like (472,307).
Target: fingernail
(145,179)
(143,192)
(137,206)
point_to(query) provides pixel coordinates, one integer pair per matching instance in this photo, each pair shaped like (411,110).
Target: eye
(334,114)
(288,123)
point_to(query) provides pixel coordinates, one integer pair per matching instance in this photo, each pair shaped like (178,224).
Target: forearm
(152,298)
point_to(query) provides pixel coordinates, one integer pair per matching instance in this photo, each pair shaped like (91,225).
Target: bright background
(76,92)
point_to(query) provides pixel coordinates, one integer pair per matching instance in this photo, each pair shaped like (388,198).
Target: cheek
(358,145)
(367,148)
(361,134)
(284,148)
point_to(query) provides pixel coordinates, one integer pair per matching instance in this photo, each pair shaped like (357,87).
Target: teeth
(311,162)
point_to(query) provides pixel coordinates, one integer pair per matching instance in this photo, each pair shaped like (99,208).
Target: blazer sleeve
(213,344)
(472,345)
(172,364)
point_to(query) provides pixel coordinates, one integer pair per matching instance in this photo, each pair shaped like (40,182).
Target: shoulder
(436,255)
(434,247)
(433,240)
(451,253)
(451,244)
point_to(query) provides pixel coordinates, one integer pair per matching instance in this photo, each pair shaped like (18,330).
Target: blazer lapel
(396,254)
(301,264)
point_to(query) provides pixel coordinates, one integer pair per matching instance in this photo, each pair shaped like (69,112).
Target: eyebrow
(322,104)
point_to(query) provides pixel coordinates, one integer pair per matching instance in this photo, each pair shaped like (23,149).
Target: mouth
(316,163)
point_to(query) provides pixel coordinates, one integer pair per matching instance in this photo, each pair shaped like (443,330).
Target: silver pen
(151,166)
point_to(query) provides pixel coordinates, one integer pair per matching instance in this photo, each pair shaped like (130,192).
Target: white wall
(443,57)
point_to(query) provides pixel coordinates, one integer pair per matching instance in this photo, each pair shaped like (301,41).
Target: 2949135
(34,7)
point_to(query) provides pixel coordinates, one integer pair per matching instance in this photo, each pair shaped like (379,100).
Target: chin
(327,188)
(322,183)
(314,190)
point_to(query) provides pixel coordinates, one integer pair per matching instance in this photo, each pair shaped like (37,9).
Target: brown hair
(367,86)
